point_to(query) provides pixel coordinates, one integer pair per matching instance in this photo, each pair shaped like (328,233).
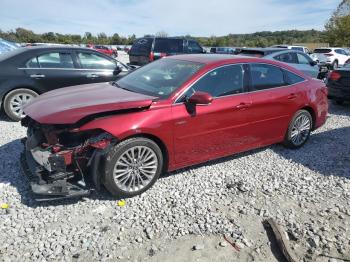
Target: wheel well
(312,113)
(161,145)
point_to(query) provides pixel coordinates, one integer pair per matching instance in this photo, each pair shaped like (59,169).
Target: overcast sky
(177,17)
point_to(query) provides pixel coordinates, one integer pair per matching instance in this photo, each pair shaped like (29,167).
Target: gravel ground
(183,217)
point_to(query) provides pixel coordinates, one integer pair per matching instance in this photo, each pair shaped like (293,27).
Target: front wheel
(132,167)
(15,100)
(299,130)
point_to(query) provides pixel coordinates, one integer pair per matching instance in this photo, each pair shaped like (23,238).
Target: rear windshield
(298,48)
(322,50)
(254,53)
(141,46)
(165,45)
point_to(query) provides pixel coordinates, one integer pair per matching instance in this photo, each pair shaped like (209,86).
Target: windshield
(159,78)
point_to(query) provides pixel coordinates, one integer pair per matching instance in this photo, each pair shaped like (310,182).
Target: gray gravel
(186,212)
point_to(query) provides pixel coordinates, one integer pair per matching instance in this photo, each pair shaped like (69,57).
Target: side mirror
(313,63)
(117,70)
(200,98)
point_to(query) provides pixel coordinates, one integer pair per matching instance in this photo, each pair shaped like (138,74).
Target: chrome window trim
(57,68)
(248,92)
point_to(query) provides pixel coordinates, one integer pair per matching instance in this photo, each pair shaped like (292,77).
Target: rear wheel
(335,65)
(299,130)
(132,167)
(15,100)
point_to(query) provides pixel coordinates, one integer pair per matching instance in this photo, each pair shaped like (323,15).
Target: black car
(148,49)
(338,83)
(27,72)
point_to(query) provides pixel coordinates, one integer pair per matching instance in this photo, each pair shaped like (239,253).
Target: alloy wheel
(135,168)
(300,130)
(18,101)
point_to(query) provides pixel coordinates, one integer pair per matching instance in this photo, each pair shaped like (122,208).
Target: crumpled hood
(69,105)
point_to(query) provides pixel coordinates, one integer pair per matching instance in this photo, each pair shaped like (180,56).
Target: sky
(177,17)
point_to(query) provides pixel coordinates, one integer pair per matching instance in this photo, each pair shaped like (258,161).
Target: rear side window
(166,45)
(340,51)
(51,60)
(293,78)
(94,61)
(141,46)
(265,76)
(226,80)
(322,50)
(194,47)
(289,58)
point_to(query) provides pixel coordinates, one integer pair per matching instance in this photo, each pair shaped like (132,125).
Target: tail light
(151,56)
(334,76)
(328,54)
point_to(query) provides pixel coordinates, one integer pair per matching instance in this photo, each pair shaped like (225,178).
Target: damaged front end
(61,161)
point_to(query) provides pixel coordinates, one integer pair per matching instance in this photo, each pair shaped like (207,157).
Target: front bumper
(52,185)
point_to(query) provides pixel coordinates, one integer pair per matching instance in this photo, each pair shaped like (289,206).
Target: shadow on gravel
(327,153)
(341,110)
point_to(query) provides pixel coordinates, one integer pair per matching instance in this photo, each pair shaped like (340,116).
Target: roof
(210,58)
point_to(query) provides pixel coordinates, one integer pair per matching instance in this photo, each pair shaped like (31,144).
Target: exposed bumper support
(45,189)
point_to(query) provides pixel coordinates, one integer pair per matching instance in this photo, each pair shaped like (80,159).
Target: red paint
(69,105)
(226,126)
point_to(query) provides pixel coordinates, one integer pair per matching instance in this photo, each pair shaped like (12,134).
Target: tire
(116,165)
(290,139)
(339,102)
(14,101)
(335,65)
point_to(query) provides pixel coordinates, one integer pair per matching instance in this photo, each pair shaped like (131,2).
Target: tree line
(260,39)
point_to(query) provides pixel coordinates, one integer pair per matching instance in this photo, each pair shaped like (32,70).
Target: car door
(96,67)
(52,69)
(274,101)
(306,65)
(342,56)
(205,132)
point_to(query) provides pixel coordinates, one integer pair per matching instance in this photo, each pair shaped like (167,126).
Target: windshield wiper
(116,85)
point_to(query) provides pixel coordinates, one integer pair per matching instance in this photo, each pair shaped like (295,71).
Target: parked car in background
(27,72)
(225,50)
(336,56)
(6,46)
(175,112)
(148,49)
(106,50)
(296,59)
(293,47)
(338,83)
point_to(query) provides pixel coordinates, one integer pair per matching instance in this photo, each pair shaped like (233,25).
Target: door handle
(292,96)
(92,76)
(242,106)
(37,76)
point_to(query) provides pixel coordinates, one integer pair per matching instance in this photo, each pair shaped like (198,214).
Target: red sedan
(169,114)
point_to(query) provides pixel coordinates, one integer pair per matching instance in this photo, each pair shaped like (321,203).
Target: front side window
(303,59)
(265,76)
(95,61)
(52,60)
(223,81)
(160,78)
